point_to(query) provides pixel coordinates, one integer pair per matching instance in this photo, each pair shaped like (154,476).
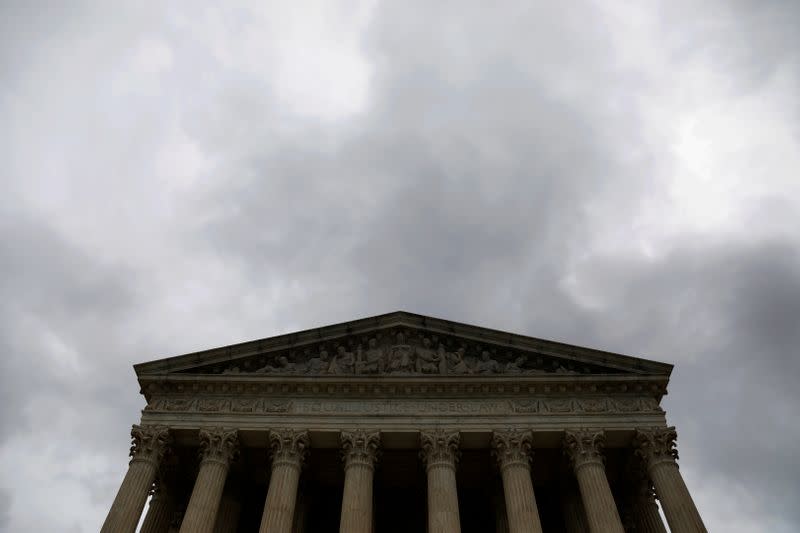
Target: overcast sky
(618,174)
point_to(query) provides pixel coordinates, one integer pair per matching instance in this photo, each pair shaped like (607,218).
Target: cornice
(234,352)
(407,386)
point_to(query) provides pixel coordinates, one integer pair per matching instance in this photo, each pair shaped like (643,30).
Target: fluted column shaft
(159,512)
(359,450)
(642,509)
(572,509)
(218,446)
(443,500)
(679,508)
(657,449)
(585,451)
(149,443)
(440,454)
(500,513)
(281,499)
(648,519)
(512,449)
(228,515)
(300,513)
(601,510)
(201,513)
(289,448)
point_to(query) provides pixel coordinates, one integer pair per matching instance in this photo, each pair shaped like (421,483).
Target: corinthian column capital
(149,443)
(512,448)
(218,445)
(440,448)
(288,447)
(584,447)
(360,448)
(656,445)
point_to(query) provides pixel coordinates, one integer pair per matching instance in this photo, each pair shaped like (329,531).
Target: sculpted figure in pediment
(344,362)
(487,365)
(319,364)
(283,367)
(427,359)
(453,362)
(561,369)
(401,355)
(371,360)
(516,366)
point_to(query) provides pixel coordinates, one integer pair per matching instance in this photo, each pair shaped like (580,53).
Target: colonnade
(590,508)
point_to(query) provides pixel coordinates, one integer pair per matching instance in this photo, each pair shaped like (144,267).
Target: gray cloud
(514,167)
(4,508)
(59,303)
(727,314)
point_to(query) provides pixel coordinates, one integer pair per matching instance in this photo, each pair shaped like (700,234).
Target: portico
(403,423)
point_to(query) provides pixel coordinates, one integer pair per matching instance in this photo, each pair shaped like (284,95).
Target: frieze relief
(401,352)
(303,406)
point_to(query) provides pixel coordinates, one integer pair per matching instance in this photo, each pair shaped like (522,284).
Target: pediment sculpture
(401,353)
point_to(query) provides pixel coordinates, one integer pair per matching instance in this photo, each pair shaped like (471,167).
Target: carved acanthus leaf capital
(656,445)
(440,448)
(360,447)
(149,443)
(584,447)
(512,448)
(219,444)
(288,447)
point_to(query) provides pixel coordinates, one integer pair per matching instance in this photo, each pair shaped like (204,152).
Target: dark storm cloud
(460,175)
(64,318)
(55,298)
(728,315)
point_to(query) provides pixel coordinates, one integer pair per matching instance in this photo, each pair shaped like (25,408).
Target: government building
(403,423)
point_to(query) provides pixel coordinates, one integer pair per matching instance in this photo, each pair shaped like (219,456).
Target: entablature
(402,387)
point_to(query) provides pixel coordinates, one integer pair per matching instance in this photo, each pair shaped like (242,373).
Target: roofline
(569,351)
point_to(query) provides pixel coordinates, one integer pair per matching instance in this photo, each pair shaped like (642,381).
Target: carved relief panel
(400,351)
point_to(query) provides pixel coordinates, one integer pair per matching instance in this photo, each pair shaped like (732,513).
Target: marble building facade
(399,423)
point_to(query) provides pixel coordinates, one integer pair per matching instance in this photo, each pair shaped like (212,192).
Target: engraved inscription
(404,408)
(542,406)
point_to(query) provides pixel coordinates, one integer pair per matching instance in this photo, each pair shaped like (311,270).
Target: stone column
(440,454)
(229,509)
(585,450)
(512,450)
(645,513)
(500,513)
(360,450)
(572,507)
(160,511)
(177,517)
(289,448)
(218,447)
(149,444)
(301,512)
(656,447)
(640,512)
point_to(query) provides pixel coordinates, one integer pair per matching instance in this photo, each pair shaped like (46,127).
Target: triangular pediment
(402,344)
